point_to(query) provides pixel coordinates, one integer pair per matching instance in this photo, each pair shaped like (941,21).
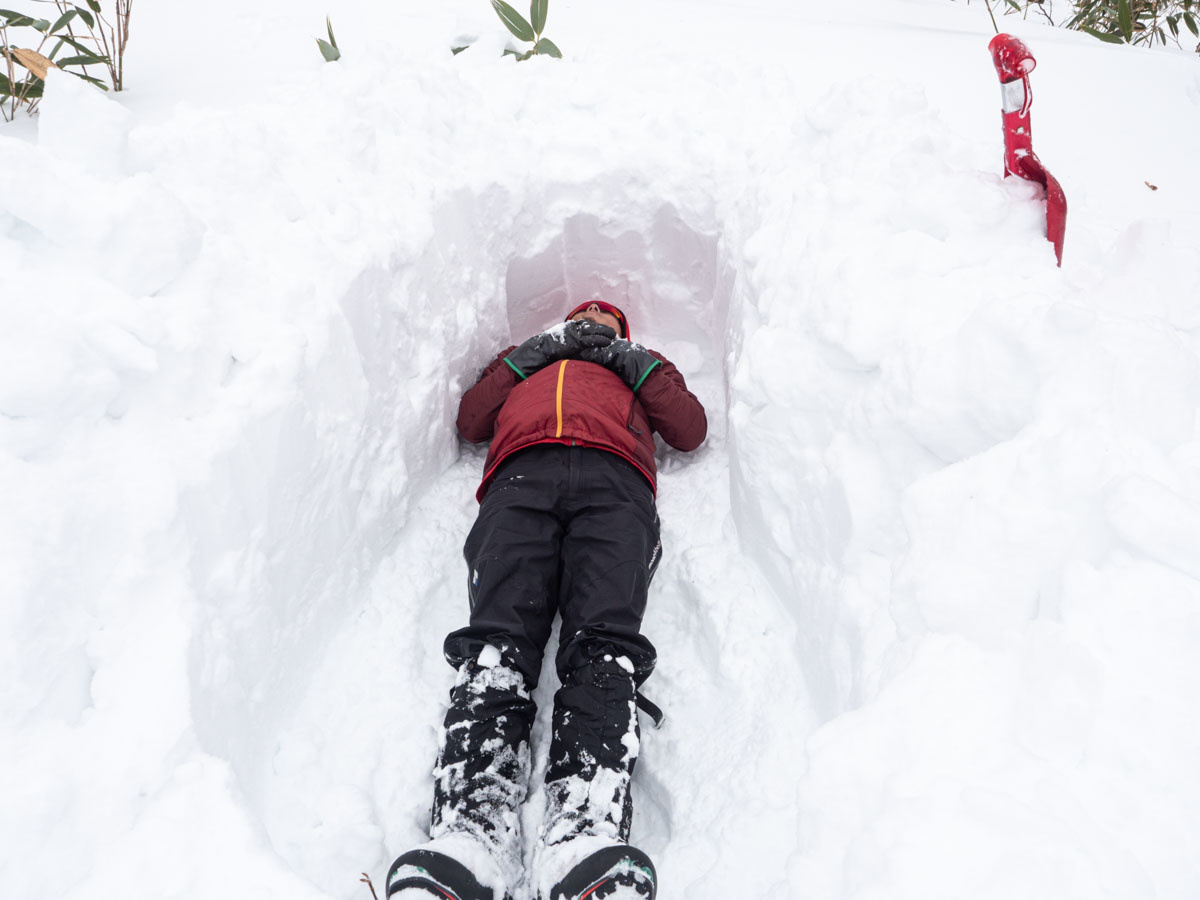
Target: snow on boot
(455,867)
(594,746)
(482,772)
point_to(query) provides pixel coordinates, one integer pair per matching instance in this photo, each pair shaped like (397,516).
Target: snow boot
(583,849)
(455,867)
(615,872)
(480,782)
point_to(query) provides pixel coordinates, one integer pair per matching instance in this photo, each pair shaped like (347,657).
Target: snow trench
(326,541)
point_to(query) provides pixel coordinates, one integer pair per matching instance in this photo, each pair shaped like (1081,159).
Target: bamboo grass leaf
(1125,19)
(514,21)
(94,58)
(330,52)
(33,61)
(546,47)
(64,19)
(82,48)
(82,61)
(89,79)
(1104,36)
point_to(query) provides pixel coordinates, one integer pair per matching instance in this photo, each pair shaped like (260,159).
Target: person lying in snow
(567,523)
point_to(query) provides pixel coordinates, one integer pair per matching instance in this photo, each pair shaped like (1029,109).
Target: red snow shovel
(1013,63)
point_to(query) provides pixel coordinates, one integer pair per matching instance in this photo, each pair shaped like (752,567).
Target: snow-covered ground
(929,615)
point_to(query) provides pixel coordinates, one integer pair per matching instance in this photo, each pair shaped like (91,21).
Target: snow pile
(929,610)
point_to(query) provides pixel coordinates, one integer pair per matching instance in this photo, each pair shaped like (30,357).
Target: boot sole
(606,871)
(436,873)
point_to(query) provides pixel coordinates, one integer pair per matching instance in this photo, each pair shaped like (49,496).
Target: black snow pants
(573,531)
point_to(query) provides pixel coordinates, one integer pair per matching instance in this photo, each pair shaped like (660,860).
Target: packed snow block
(152,237)
(78,193)
(83,125)
(1156,522)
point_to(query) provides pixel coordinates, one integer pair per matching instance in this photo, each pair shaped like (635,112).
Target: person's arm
(481,404)
(479,407)
(673,410)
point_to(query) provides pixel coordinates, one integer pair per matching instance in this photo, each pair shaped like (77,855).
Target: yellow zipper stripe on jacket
(562,372)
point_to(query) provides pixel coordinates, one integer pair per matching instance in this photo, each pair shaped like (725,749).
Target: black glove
(632,362)
(567,341)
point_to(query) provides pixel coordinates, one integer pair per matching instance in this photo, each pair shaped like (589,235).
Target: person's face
(595,314)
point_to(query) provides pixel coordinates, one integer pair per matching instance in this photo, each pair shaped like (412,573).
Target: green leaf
(5,85)
(93,58)
(82,48)
(514,21)
(1173,23)
(458,50)
(330,52)
(1107,38)
(546,47)
(329,28)
(86,16)
(537,15)
(1125,19)
(42,25)
(95,5)
(16,19)
(82,61)
(64,19)
(90,80)
(1190,22)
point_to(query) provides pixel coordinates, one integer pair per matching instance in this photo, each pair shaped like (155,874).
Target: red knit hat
(604,307)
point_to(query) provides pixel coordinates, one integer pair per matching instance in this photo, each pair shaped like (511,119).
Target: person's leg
(482,771)
(513,556)
(610,551)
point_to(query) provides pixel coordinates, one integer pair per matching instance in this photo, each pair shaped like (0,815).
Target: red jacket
(580,404)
